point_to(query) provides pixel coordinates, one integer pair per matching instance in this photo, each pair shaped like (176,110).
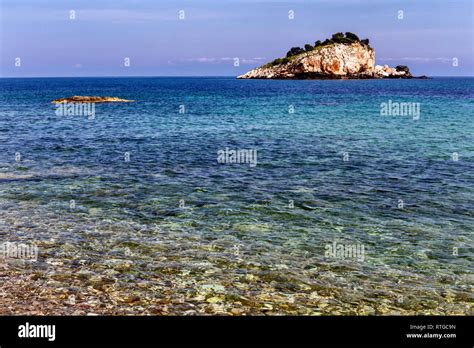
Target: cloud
(218,60)
(419,59)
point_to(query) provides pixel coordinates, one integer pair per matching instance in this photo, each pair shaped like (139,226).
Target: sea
(213,195)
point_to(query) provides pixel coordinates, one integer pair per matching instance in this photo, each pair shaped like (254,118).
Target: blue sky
(214,32)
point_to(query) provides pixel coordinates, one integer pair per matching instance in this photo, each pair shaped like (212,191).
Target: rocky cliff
(354,60)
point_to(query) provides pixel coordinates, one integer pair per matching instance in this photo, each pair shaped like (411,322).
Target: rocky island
(90,99)
(344,56)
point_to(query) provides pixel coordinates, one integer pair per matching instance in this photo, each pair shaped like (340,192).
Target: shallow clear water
(237,234)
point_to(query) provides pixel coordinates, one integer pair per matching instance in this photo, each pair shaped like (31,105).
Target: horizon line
(171,76)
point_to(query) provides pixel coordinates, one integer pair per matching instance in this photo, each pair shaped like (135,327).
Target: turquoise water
(212,238)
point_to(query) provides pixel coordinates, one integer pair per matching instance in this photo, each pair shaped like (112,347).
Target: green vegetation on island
(337,38)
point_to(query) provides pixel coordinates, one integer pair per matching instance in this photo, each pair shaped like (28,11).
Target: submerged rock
(90,99)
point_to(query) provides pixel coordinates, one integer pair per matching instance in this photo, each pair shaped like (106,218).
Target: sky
(432,37)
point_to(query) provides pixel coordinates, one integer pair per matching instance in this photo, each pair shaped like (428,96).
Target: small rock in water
(90,99)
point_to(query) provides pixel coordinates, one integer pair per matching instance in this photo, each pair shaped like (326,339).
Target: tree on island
(294,51)
(337,38)
(352,36)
